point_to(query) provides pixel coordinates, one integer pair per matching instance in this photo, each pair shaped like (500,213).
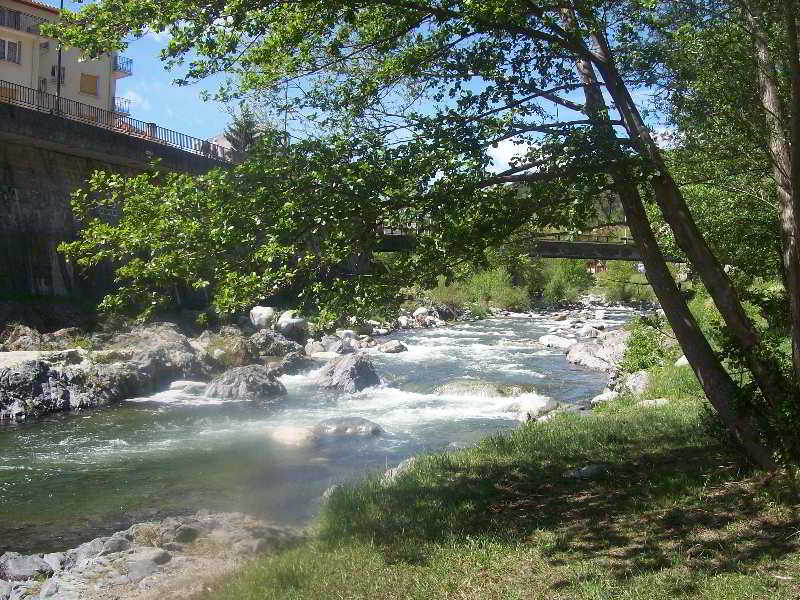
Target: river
(71,477)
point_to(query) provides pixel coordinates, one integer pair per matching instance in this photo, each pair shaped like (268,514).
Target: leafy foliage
(649,345)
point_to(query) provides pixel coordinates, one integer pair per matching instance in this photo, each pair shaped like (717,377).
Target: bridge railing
(563,236)
(120,122)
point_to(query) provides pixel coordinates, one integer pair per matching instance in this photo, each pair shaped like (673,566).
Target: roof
(39,5)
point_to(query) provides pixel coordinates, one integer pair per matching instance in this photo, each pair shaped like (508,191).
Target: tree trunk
(717,384)
(785,162)
(687,235)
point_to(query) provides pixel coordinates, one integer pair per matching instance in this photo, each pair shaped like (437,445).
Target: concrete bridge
(47,154)
(550,245)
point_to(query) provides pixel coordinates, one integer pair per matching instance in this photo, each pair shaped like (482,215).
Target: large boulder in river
(605,352)
(346,426)
(476,387)
(555,341)
(162,352)
(349,373)
(532,407)
(293,326)
(393,347)
(270,343)
(253,383)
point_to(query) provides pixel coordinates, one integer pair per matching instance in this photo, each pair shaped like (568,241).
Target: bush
(483,289)
(649,345)
(623,283)
(566,279)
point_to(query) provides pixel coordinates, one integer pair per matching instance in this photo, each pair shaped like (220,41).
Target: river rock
(404,322)
(345,333)
(605,352)
(330,342)
(393,347)
(346,426)
(587,331)
(293,363)
(476,387)
(270,343)
(554,341)
(288,435)
(349,373)
(263,317)
(532,407)
(606,396)
(636,383)
(391,475)
(250,383)
(293,327)
(5,590)
(314,346)
(682,361)
(654,403)
(347,346)
(421,312)
(18,567)
(194,388)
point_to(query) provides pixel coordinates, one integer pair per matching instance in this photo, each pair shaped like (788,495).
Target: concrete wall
(43,159)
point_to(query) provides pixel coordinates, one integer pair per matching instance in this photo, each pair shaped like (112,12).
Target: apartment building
(28,59)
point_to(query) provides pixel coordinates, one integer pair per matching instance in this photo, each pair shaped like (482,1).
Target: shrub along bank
(664,510)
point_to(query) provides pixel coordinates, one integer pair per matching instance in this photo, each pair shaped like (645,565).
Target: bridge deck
(551,247)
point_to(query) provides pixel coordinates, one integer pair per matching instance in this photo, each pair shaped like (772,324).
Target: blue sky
(155,99)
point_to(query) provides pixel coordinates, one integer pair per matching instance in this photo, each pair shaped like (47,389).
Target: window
(53,73)
(13,52)
(89,84)
(10,51)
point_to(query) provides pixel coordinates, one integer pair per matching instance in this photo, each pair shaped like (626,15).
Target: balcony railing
(122,105)
(123,65)
(77,111)
(14,19)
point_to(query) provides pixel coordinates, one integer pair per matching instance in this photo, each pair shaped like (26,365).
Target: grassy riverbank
(675,515)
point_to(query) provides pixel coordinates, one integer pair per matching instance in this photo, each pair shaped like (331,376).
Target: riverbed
(69,478)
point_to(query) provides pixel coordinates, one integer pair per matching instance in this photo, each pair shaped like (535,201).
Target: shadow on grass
(664,501)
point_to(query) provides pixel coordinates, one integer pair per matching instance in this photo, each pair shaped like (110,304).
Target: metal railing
(563,236)
(77,111)
(122,105)
(14,19)
(123,65)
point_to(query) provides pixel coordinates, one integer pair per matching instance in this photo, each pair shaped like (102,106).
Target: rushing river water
(69,478)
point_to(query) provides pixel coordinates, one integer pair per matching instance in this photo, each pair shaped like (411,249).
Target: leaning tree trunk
(687,235)
(717,384)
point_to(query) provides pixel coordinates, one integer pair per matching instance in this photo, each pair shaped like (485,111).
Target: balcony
(122,106)
(122,67)
(20,21)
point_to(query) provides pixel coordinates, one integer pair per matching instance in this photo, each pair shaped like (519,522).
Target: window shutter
(89,84)
(12,52)
(3,17)
(19,53)
(2,49)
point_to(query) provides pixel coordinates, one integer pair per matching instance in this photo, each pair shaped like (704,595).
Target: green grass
(674,516)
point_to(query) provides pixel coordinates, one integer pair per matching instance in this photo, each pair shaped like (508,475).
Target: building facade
(30,60)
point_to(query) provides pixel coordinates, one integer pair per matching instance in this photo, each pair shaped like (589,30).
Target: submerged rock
(346,426)
(250,383)
(476,387)
(349,373)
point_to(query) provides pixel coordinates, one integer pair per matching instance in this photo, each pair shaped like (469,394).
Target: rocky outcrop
(604,352)
(349,373)
(252,383)
(168,559)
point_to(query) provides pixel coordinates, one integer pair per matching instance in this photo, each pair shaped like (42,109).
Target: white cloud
(504,152)
(137,100)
